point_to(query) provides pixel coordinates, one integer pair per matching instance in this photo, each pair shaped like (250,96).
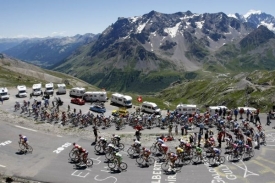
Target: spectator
(138,134)
(182,130)
(191,139)
(257,118)
(176,130)
(220,111)
(195,138)
(199,139)
(170,127)
(220,139)
(1,100)
(95,133)
(206,135)
(201,128)
(224,112)
(268,117)
(236,113)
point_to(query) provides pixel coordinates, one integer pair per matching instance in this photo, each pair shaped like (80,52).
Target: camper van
(21,91)
(36,89)
(150,107)
(186,109)
(123,100)
(4,93)
(49,89)
(212,109)
(77,92)
(61,89)
(100,96)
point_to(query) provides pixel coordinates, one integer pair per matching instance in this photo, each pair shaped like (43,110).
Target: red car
(78,101)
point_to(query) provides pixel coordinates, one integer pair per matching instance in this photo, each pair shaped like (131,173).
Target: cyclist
(179,150)
(199,152)
(84,154)
(172,157)
(187,148)
(118,157)
(146,153)
(116,138)
(164,148)
(103,142)
(249,141)
(23,140)
(76,146)
(216,152)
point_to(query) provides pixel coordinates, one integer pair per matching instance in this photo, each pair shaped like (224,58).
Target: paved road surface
(49,161)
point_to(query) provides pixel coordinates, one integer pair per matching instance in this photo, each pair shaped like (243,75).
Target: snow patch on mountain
(173,30)
(232,15)
(250,12)
(134,19)
(199,24)
(270,26)
(141,27)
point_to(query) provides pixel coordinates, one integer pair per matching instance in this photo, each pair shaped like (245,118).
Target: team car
(98,109)
(78,101)
(120,111)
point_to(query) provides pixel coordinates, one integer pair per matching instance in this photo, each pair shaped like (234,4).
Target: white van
(99,96)
(4,95)
(150,107)
(61,89)
(21,91)
(49,89)
(36,89)
(251,109)
(186,108)
(123,100)
(77,92)
(212,109)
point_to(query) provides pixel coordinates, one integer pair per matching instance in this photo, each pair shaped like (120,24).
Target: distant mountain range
(149,52)
(44,51)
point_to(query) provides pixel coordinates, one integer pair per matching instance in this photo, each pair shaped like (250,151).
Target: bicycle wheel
(165,166)
(120,146)
(29,148)
(222,159)
(153,149)
(139,160)
(109,156)
(195,159)
(97,148)
(89,162)
(112,164)
(72,153)
(186,160)
(151,160)
(21,146)
(123,166)
(131,151)
(212,161)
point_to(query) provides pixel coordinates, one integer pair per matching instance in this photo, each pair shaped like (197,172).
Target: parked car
(98,109)
(120,111)
(78,101)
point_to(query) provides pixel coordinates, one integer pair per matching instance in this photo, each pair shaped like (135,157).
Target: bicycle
(25,147)
(74,155)
(134,150)
(88,162)
(184,158)
(165,166)
(114,163)
(234,155)
(216,161)
(141,159)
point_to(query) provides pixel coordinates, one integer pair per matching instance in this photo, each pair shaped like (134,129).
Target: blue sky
(41,18)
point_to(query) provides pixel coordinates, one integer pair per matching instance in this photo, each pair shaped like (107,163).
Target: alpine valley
(148,53)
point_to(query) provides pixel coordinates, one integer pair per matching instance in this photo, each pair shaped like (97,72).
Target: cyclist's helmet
(20,135)
(176,147)
(143,148)
(113,135)
(74,143)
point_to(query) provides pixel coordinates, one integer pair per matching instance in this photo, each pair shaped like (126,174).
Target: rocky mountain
(257,18)
(7,43)
(148,52)
(48,51)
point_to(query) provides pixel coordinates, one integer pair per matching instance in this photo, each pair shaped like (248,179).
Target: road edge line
(25,128)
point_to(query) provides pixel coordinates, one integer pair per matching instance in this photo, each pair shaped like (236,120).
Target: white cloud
(58,33)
